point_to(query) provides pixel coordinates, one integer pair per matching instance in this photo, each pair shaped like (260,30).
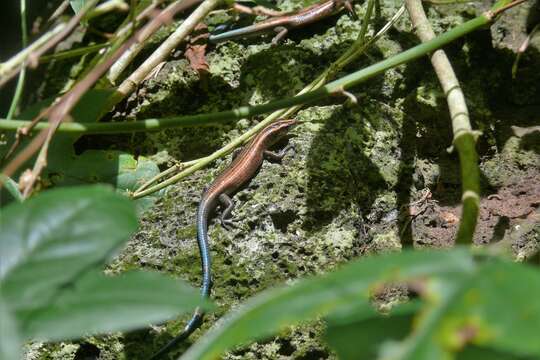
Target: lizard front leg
(277,156)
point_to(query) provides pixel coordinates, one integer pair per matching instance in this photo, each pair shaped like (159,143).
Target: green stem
(464,137)
(470,177)
(22,75)
(73,53)
(345,82)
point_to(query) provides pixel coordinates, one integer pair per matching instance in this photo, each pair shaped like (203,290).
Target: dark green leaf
(117,168)
(500,308)
(264,3)
(113,167)
(476,353)
(12,188)
(87,109)
(49,240)
(320,296)
(363,332)
(97,303)
(494,308)
(10,345)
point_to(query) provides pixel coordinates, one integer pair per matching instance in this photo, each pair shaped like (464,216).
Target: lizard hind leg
(348,5)
(225,217)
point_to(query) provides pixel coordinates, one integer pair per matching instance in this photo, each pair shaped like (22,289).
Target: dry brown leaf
(196,50)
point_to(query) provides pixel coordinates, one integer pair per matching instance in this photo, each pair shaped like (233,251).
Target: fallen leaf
(196,51)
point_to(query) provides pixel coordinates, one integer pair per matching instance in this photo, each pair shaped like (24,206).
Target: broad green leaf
(476,353)
(494,308)
(130,178)
(10,345)
(500,306)
(87,109)
(362,332)
(97,303)
(119,169)
(50,240)
(272,310)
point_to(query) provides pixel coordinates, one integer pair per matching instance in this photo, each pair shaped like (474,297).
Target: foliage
(462,302)
(53,246)
(66,167)
(51,285)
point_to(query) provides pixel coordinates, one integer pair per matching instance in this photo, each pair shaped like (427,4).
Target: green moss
(511,164)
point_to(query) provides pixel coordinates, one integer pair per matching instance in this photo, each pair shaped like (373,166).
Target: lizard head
(278,129)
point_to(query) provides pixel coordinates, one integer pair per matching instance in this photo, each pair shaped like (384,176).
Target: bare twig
(59,11)
(11,67)
(126,30)
(60,110)
(464,136)
(130,84)
(523,47)
(502,9)
(127,57)
(72,24)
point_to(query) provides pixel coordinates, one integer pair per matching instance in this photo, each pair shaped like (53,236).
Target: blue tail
(202,239)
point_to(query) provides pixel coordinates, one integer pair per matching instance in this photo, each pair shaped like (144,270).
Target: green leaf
(272,310)
(494,308)
(50,240)
(87,109)
(264,3)
(119,169)
(130,178)
(10,345)
(500,307)
(97,303)
(362,332)
(475,353)
(11,187)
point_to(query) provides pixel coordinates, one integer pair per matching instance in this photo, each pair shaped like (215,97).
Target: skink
(281,24)
(243,168)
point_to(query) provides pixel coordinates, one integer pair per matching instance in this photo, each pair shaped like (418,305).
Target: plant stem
(464,137)
(162,52)
(331,88)
(73,53)
(22,75)
(111,5)
(9,68)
